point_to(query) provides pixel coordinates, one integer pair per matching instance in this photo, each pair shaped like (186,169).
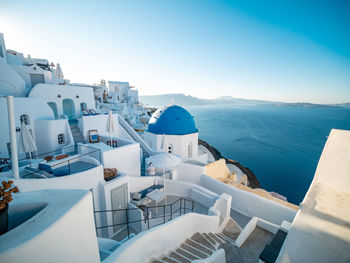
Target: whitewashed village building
(69,210)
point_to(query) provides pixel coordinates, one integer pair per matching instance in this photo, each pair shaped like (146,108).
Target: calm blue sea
(281,145)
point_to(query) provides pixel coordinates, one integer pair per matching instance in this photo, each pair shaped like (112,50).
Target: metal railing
(177,208)
(68,150)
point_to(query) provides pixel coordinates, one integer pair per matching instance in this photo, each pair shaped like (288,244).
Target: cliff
(253,181)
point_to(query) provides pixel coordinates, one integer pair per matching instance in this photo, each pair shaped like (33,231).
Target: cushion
(135,196)
(61,172)
(94,137)
(45,167)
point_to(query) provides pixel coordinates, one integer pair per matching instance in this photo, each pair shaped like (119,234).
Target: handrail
(183,209)
(135,136)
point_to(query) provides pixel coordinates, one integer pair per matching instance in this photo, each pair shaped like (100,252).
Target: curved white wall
(11,83)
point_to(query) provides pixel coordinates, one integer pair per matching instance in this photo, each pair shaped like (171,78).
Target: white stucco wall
(11,83)
(97,122)
(78,94)
(46,134)
(35,108)
(63,231)
(321,229)
(179,143)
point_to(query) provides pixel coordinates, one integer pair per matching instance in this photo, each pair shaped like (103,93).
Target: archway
(68,108)
(53,106)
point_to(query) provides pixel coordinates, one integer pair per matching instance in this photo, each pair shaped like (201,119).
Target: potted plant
(6,190)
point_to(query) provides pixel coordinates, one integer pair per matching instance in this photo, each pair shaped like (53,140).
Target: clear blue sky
(274,50)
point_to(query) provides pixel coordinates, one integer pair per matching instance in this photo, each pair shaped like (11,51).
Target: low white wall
(125,158)
(96,122)
(55,234)
(137,184)
(189,172)
(250,204)
(160,240)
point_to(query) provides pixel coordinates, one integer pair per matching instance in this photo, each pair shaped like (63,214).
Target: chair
(85,112)
(93,136)
(92,112)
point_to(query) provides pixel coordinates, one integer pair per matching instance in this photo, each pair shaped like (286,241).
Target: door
(68,108)
(36,78)
(119,199)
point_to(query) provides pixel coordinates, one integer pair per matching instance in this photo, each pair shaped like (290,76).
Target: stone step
(198,237)
(158,261)
(194,251)
(174,255)
(169,260)
(227,239)
(198,246)
(218,240)
(212,241)
(186,254)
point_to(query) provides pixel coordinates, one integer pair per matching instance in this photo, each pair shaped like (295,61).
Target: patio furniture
(93,136)
(62,156)
(85,112)
(92,112)
(157,196)
(112,143)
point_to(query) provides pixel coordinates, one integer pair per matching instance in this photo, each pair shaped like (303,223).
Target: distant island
(186,100)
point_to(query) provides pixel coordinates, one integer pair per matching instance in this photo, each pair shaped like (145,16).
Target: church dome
(172,120)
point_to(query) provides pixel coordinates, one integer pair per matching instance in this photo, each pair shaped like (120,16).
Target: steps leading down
(76,133)
(202,245)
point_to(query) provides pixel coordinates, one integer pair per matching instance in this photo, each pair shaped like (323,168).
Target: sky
(292,51)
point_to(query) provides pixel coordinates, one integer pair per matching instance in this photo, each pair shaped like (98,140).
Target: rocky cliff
(253,181)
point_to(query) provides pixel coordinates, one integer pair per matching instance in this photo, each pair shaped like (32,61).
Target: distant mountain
(184,100)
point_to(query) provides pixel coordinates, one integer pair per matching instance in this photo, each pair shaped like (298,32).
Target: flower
(6,193)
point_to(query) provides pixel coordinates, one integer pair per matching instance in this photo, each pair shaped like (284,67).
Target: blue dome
(172,120)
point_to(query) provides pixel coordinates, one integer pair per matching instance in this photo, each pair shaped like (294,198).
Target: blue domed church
(179,128)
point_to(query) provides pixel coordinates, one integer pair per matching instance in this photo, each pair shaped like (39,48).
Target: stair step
(194,251)
(186,254)
(157,261)
(167,259)
(179,258)
(198,246)
(198,237)
(209,239)
(218,240)
(225,238)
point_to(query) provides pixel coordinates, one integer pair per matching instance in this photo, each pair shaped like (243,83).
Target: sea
(281,145)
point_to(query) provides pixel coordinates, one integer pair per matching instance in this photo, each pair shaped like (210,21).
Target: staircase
(76,133)
(144,146)
(202,245)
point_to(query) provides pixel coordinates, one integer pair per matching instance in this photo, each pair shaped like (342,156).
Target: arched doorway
(68,108)
(53,106)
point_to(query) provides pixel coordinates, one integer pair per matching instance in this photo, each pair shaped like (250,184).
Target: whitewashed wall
(79,94)
(46,134)
(35,108)
(250,204)
(97,122)
(63,231)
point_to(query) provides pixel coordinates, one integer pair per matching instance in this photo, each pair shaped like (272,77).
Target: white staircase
(76,133)
(137,138)
(202,245)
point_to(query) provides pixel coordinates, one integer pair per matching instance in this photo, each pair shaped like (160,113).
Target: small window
(60,138)
(24,118)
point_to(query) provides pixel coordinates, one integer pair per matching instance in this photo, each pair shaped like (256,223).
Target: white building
(178,126)
(87,216)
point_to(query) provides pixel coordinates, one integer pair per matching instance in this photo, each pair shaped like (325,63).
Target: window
(60,138)
(190,146)
(24,118)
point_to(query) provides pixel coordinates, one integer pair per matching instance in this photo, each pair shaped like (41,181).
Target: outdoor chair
(93,136)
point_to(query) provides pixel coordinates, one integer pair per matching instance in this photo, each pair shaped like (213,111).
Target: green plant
(6,191)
